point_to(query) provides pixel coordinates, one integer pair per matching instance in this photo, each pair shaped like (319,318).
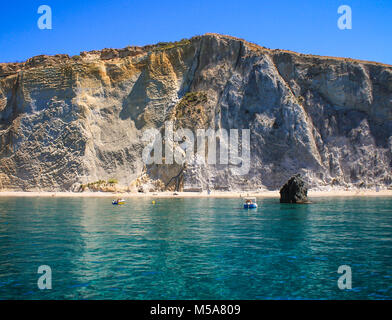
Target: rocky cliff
(71,123)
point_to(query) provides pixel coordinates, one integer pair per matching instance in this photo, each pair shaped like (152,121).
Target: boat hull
(116,203)
(250,206)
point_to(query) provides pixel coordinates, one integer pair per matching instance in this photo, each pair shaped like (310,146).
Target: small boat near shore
(118,202)
(250,203)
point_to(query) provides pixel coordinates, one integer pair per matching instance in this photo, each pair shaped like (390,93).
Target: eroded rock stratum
(69,121)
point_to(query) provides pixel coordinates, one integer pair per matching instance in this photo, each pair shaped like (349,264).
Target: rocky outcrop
(294,191)
(69,121)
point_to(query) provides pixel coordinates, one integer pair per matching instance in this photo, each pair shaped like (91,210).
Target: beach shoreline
(214,194)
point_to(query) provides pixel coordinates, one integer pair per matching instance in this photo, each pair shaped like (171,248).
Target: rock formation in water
(294,191)
(76,123)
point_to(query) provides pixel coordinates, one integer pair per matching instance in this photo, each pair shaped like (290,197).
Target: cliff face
(67,121)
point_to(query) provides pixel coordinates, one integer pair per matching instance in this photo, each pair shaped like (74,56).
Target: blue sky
(301,25)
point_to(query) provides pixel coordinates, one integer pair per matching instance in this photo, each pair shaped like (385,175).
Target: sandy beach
(216,194)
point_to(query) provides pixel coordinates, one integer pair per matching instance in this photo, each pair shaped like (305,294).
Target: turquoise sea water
(195,248)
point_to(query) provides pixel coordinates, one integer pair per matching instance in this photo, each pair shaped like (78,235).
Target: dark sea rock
(294,191)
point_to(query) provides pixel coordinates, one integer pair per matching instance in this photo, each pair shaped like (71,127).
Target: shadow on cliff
(134,104)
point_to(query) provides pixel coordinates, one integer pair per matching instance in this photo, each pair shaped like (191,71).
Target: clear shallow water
(195,248)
